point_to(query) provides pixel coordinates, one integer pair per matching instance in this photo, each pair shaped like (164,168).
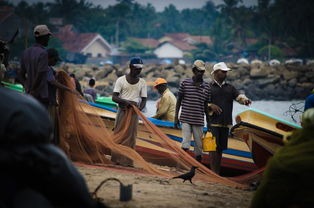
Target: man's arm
(63,87)
(143,103)
(178,105)
(242,99)
(163,108)
(122,102)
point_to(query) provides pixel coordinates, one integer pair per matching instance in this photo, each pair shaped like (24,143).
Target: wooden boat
(107,102)
(236,159)
(263,133)
(16,87)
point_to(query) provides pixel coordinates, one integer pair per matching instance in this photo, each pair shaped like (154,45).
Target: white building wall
(97,47)
(168,50)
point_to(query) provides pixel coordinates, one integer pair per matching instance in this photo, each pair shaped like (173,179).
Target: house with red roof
(147,42)
(173,49)
(90,45)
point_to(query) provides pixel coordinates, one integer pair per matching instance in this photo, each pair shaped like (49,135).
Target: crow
(187,176)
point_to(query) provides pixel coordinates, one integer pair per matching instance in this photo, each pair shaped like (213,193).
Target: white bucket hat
(220,66)
(41,30)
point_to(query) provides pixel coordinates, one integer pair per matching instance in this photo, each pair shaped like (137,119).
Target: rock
(269,80)
(258,73)
(232,75)
(287,75)
(292,82)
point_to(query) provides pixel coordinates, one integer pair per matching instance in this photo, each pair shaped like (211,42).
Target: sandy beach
(153,191)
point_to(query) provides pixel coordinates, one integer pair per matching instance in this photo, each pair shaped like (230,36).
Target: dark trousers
(221,134)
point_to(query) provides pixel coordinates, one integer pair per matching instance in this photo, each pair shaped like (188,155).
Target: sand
(152,191)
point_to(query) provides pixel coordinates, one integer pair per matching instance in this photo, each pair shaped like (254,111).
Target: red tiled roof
(74,42)
(202,39)
(148,42)
(182,45)
(177,36)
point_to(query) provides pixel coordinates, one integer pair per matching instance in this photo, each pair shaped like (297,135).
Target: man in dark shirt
(34,66)
(222,95)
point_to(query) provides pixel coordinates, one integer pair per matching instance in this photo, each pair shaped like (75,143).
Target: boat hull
(237,158)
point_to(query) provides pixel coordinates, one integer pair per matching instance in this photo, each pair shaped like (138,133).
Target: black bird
(187,176)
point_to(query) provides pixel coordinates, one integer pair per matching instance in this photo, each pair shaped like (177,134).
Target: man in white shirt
(129,90)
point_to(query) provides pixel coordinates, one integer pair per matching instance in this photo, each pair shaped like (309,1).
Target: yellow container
(209,142)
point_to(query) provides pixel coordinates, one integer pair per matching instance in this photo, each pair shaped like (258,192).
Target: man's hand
(129,103)
(215,108)
(247,102)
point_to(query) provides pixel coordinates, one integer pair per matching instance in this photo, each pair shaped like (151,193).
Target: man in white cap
(193,98)
(34,66)
(222,95)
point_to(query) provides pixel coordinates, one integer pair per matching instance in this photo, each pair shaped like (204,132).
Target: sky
(158,4)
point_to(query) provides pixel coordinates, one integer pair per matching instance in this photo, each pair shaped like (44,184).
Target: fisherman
(90,91)
(129,90)
(193,98)
(222,95)
(35,173)
(76,84)
(167,102)
(34,66)
(53,84)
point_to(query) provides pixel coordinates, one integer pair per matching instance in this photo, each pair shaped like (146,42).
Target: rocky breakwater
(259,81)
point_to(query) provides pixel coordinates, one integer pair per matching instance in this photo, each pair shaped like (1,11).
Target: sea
(290,111)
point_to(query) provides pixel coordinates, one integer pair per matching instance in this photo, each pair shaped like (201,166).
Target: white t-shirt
(132,92)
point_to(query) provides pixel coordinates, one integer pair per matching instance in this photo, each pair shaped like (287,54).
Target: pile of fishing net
(85,138)
(288,178)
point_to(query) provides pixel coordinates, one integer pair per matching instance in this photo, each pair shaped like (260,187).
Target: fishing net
(85,138)
(287,181)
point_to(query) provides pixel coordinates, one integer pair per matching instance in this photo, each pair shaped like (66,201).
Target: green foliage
(286,23)
(132,46)
(203,52)
(56,44)
(275,52)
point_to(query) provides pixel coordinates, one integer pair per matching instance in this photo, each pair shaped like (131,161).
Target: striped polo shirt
(192,105)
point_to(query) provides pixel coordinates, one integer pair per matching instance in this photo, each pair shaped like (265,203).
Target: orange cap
(159,81)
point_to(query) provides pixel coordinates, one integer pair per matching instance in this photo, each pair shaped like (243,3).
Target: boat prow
(263,133)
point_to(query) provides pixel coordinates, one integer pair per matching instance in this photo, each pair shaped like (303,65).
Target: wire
(94,194)
(294,108)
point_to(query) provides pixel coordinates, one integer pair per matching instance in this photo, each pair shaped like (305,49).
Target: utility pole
(117,33)
(269,50)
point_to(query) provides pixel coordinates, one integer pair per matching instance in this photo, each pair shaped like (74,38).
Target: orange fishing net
(85,138)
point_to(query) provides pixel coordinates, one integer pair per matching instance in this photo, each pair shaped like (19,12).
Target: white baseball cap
(41,30)
(220,66)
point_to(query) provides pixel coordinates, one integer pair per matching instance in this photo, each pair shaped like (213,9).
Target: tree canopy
(280,23)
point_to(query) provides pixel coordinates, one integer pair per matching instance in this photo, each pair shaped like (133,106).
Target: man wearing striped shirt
(193,99)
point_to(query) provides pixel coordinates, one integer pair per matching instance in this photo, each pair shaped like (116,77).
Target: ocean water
(281,109)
